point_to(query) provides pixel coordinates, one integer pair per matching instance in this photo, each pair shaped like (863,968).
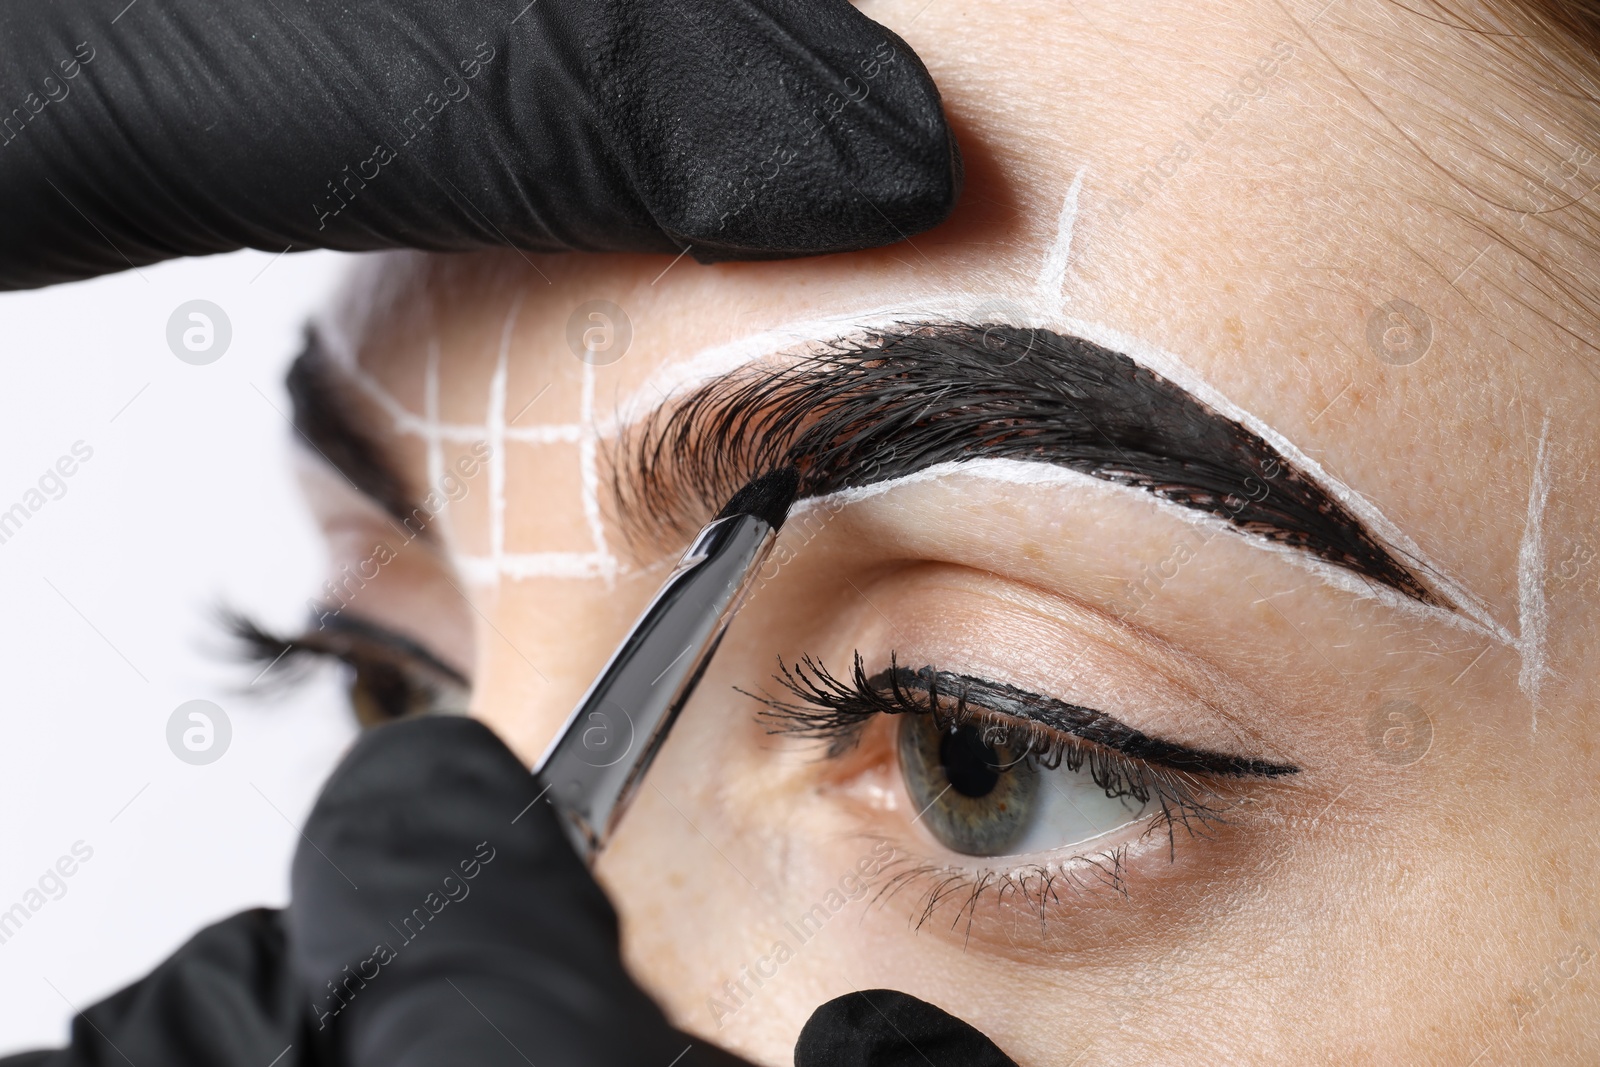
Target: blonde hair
(1528,172)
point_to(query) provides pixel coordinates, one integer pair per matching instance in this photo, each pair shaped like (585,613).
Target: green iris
(975,791)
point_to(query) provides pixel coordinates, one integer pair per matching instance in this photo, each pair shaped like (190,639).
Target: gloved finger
(735,128)
(887,1028)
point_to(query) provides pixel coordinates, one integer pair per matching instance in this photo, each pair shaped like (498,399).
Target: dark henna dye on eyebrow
(900,401)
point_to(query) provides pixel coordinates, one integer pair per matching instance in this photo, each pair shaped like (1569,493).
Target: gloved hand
(735,128)
(888,1028)
(439,916)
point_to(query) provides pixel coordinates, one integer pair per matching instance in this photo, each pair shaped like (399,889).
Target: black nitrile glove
(440,917)
(887,1028)
(735,128)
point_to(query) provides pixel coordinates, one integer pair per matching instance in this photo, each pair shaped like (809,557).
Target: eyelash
(837,711)
(389,676)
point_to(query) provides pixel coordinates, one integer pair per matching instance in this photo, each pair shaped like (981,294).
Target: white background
(186,504)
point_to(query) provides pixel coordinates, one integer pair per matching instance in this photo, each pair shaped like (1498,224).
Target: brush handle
(599,759)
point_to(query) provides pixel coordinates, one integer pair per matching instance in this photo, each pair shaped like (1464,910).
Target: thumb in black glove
(735,128)
(886,1028)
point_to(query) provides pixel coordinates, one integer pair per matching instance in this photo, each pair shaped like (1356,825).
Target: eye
(994,770)
(980,793)
(388,676)
(385,688)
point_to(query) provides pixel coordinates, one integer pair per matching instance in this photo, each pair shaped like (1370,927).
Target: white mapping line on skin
(430,405)
(1532,618)
(520,566)
(723,359)
(476,570)
(588,470)
(495,423)
(1051,290)
(409,423)
(1046,475)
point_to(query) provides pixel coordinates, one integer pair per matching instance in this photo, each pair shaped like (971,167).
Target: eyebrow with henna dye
(894,402)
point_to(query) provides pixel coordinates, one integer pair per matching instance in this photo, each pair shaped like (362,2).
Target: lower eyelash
(1037,886)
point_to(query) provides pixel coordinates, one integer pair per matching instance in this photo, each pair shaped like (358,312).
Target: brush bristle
(767,497)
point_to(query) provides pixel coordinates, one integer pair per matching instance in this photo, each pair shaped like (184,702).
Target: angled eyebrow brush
(599,759)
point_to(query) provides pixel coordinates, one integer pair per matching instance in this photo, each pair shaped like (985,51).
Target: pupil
(971,765)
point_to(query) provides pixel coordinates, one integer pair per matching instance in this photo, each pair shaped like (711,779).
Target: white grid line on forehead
(430,405)
(498,435)
(495,427)
(1051,289)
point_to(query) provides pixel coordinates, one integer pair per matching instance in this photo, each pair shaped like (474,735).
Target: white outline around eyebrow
(1532,615)
(1041,305)
(806,335)
(1044,307)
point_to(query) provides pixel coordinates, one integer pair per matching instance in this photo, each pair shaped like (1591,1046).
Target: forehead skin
(1254,181)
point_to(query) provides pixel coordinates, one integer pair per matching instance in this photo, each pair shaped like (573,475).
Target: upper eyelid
(1086,724)
(408,648)
(860,698)
(359,633)
(1137,675)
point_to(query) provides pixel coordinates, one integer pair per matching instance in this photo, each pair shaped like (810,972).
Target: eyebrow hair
(326,415)
(877,408)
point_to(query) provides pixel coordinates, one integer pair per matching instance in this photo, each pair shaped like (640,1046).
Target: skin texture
(1375,908)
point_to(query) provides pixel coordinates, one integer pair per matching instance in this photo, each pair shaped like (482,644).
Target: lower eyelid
(1024,904)
(1031,907)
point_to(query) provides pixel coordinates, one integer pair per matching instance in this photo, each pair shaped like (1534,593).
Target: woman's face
(1312,222)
